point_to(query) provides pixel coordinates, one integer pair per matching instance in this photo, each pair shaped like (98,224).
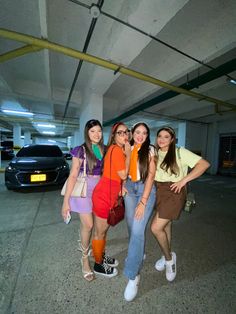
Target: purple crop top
(78,152)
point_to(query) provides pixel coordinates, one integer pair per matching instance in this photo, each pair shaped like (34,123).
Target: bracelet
(142,203)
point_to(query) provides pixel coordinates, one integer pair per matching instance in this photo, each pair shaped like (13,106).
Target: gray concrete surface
(40,269)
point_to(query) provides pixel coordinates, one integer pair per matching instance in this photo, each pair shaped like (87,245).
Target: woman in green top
(171,177)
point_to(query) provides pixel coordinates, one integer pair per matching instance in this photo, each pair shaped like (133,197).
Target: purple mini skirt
(83,205)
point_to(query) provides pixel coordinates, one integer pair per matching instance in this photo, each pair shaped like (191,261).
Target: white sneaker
(160,264)
(131,289)
(171,268)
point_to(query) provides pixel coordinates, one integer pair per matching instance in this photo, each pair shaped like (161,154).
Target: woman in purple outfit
(92,150)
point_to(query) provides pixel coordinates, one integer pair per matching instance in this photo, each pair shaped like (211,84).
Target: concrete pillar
(213,147)
(92,109)
(69,142)
(27,139)
(181,134)
(17,135)
(0,151)
(76,137)
(72,141)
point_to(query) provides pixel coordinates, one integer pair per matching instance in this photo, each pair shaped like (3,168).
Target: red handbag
(117,211)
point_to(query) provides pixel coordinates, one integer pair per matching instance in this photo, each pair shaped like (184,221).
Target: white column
(69,142)
(76,136)
(181,135)
(17,135)
(0,151)
(213,147)
(92,109)
(27,139)
(72,141)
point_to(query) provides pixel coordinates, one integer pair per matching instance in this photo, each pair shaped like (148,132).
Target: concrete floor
(40,268)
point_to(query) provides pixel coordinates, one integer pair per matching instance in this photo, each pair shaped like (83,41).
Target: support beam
(108,65)
(18,52)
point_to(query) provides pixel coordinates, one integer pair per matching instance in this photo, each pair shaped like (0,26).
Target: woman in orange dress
(116,165)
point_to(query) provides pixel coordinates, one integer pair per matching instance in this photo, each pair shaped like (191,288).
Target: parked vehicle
(67,155)
(7,152)
(37,165)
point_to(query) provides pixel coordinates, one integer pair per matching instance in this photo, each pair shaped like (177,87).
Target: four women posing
(136,167)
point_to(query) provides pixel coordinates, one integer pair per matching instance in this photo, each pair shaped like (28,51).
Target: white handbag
(80,187)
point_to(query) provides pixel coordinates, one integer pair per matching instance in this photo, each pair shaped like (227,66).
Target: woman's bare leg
(86,226)
(162,235)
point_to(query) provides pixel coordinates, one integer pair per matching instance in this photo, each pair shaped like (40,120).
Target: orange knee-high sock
(98,250)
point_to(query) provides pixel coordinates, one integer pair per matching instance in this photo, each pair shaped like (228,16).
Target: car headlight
(10,168)
(62,167)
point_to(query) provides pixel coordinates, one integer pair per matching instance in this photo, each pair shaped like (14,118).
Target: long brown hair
(169,162)
(143,153)
(91,158)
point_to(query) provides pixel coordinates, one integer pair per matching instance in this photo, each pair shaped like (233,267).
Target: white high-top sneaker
(160,264)
(171,268)
(131,289)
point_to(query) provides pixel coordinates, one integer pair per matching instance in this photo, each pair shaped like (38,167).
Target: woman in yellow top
(139,203)
(171,177)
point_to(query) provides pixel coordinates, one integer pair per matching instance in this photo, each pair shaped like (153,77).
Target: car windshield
(40,151)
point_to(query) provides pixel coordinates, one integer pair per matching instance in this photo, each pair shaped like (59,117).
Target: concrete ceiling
(40,82)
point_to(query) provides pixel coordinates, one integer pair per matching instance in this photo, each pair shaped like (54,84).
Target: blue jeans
(136,228)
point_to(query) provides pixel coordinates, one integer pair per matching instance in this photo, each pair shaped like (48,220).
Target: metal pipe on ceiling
(223,69)
(18,52)
(86,44)
(43,43)
(148,35)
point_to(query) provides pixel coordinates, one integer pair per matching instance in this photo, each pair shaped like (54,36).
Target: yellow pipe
(18,52)
(43,43)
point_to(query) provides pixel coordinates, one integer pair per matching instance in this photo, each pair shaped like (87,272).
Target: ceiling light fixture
(46,125)
(94,11)
(25,113)
(48,132)
(232,81)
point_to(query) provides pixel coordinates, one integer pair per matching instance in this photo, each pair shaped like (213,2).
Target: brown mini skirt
(169,204)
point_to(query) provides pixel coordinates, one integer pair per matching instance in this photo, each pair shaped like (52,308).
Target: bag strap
(110,176)
(84,163)
(178,153)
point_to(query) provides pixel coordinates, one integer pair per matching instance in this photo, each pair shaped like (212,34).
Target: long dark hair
(169,162)
(112,135)
(143,153)
(91,158)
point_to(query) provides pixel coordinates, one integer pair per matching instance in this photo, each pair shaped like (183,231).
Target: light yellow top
(188,159)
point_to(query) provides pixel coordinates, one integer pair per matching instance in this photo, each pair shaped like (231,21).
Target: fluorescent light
(48,132)
(51,141)
(25,113)
(232,81)
(46,125)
